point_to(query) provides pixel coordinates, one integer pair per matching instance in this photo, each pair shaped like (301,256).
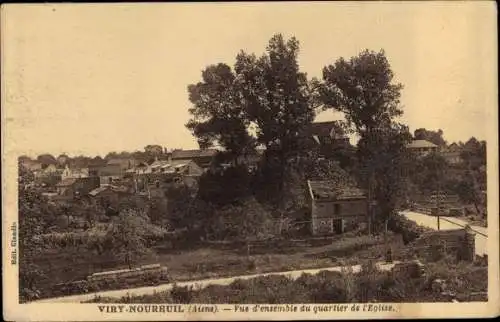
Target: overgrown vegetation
(333,287)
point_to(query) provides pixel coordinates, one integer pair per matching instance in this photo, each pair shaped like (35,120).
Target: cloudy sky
(89,79)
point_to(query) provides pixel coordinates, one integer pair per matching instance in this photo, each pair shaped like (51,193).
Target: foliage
(245,220)
(127,235)
(435,137)
(369,285)
(276,96)
(383,165)
(429,172)
(213,186)
(218,112)
(363,89)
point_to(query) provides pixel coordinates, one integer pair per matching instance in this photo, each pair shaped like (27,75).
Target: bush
(407,228)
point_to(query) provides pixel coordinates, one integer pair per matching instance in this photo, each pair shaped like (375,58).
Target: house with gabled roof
(203,157)
(335,206)
(421,148)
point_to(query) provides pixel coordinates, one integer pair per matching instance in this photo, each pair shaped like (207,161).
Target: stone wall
(459,243)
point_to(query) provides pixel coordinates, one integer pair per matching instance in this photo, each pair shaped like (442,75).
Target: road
(202,283)
(449,223)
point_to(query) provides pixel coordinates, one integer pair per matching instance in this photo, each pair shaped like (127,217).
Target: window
(336,208)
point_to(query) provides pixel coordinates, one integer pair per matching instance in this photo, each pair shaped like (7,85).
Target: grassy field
(222,260)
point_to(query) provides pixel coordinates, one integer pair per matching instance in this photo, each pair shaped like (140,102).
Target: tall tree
(127,236)
(363,89)
(46,159)
(276,97)
(218,114)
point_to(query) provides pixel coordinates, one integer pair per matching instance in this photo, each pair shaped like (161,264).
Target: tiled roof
(329,190)
(190,154)
(325,129)
(421,144)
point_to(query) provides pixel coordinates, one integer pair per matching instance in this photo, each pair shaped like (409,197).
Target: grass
(210,261)
(370,285)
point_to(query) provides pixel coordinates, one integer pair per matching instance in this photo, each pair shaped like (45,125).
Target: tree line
(267,100)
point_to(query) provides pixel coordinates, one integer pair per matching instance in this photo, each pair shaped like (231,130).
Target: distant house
(335,208)
(71,188)
(74,173)
(124,164)
(164,173)
(203,157)
(48,171)
(326,133)
(109,173)
(422,148)
(452,154)
(31,165)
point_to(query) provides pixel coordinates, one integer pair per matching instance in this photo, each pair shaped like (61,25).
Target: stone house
(335,207)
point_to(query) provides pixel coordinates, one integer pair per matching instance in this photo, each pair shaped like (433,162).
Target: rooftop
(330,190)
(421,144)
(190,154)
(331,129)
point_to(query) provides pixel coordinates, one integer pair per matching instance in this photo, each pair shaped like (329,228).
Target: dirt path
(202,283)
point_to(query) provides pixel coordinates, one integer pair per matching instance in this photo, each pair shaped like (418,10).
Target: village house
(325,133)
(123,163)
(74,173)
(31,165)
(203,157)
(335,208)
(71,188)
(421,148)
(109,173)
(162,174)
(326,137)
(451,154)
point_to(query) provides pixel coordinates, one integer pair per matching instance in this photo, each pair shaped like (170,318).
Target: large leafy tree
(127,236)
(276,97)
(218,116)
(363,89)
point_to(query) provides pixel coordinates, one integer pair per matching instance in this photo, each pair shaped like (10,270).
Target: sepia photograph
(233,160)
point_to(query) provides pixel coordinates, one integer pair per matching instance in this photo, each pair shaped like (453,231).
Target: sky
(89,78)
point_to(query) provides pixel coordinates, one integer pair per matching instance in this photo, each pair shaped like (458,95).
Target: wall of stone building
(328,218)
(458,243)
